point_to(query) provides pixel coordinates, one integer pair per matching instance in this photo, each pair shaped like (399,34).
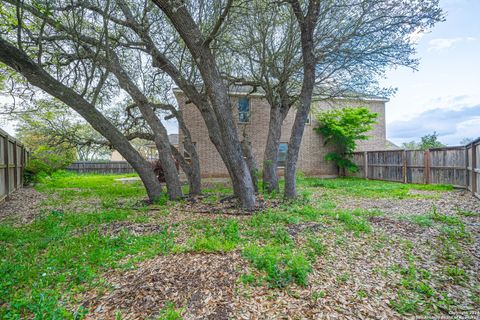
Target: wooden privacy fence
(458,166)
(13,157)
(106,167)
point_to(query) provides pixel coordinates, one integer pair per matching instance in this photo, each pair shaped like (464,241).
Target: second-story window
(243,110)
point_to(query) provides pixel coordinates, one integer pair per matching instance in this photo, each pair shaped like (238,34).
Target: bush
(46,160)
(343,128)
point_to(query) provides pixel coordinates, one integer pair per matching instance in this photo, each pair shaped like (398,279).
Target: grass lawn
(347,247)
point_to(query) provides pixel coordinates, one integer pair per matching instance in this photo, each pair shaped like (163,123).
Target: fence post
(466,166)
(473,168)
(15,166)
(365,164)
(7,168)
(426,166)
(404,166)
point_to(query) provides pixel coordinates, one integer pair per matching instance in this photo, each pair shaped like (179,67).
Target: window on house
(243,110)
(282,154)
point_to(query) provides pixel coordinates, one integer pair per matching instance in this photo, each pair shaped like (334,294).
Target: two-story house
(251,112)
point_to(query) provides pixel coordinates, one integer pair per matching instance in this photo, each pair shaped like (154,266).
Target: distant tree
(412,145)
(343,128)
(45,158)
(63,129)
(429,141)
(466,141)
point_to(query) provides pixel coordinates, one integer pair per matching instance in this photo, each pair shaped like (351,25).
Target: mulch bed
(405,229)
(201,284)
(23,206)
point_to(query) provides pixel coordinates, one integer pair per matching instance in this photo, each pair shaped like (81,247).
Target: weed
(215,236)
(343,277)
(281,264)
(315,247)
(423,220)
(362,294)
(457,274)
(169,312)
(318,295)
(405,303)
(353,222)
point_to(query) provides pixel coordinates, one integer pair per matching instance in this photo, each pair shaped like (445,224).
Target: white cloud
(452,125)
(447,43)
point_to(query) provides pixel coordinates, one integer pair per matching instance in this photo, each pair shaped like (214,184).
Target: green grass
(214,236)
(371,188)
(281,264)
(46,258)
(69,186)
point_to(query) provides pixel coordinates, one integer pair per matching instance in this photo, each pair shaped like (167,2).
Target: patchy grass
(47,265)
(372,188)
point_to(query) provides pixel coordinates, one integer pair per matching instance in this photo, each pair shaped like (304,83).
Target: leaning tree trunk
(307,27)
(218,95)
(174,187)
(38,77)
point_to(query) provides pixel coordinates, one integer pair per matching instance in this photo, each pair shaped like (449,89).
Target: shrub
(343,128)
(46,160)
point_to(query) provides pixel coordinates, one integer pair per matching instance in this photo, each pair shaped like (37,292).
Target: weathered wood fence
(458,166)
(106,167)
(13,157)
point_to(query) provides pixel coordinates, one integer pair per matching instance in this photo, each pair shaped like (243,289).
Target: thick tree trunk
(278,112)
(35,75)
(307,26)
(228,148)
(219,99)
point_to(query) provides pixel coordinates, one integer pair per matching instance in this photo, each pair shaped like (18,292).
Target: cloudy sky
(444,94)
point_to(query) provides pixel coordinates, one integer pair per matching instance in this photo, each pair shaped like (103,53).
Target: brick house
(251,110)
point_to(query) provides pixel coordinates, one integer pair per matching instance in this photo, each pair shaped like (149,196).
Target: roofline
(315,97)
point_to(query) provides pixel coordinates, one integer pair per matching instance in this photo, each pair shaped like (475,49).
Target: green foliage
(343,128)
(169,312)
(45,160)
(42,260)
(214,236)
(281,264)
(428,141)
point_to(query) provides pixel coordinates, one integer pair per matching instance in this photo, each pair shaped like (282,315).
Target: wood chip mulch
(23,206)
(405,229)
(200,284)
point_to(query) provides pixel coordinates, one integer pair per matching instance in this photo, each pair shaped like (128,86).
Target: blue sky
(444,94)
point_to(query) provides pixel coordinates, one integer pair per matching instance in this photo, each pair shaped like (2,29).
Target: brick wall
(312,151)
